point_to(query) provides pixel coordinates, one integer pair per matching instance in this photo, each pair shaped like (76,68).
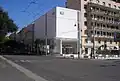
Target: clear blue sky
(24,12)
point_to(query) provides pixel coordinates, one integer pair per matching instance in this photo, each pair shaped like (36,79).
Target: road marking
(24,70)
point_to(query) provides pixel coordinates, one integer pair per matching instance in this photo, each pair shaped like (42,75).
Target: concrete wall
(60,23)
(66,23)
(40,25)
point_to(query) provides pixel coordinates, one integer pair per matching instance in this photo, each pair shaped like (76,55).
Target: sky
(23,12)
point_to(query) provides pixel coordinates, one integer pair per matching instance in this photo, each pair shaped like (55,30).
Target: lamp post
(46,51)
(79,35)
(33,27)
(93,53)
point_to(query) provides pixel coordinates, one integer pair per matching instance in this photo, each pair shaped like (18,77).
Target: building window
(110,41)
(116,42)
(98,32)
(86,40)
(107,34)
(105,41)
(85,14)
(104,3)
(98,17)
(85,31)
(86,50)
(98,1)
(115,6)
(103,25)
(104,18)
(110,34)
(116,27)
(92,16)
(98,25)
(91,32)
(85,0)
(109,5)
(119,7)
(85,23)
(99,41)
(85,6)
(104,33)
(101,33)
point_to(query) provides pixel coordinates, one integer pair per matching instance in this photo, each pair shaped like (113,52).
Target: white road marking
(24,70)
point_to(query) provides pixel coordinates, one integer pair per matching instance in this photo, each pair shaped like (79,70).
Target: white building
(60,27)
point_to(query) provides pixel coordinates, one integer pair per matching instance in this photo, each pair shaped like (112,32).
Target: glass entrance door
(68,50)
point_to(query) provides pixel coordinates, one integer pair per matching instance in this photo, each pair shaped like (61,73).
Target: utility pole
(93,53)
(46,51)
(79,36)
(33,26)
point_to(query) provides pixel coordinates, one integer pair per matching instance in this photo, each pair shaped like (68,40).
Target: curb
(25,71)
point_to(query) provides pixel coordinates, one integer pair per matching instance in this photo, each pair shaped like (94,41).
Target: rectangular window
(85,31)
(116,42)
(104,33)
(85,23)
(99,41)
(104,3)
(116,27)
(98,33)
(109,5)
(119,7)
(115,6)
(109,34)
(85,14)
(91,32)
(98,1)
(101,33)
(86,50)
(85,6)
(86,40)
(110,41)
(105,41)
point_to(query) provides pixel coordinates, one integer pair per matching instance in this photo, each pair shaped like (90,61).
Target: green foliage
(7,25)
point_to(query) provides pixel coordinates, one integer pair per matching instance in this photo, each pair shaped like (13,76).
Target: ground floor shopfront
(69,46)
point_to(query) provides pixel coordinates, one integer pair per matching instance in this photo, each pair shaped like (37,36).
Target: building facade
(100,20)
(59,26)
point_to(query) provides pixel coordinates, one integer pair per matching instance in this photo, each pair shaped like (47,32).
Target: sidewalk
(8,73)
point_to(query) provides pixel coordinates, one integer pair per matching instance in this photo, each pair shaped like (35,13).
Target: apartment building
(100,19)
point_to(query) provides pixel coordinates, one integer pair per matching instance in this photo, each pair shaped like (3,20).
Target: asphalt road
(8,73)
(59,69)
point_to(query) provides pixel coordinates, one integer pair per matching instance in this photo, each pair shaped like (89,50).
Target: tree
(7,25)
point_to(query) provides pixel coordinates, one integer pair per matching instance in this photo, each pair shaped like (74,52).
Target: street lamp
(79,33)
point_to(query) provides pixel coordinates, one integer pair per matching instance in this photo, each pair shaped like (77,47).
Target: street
(8,73)
(60,69)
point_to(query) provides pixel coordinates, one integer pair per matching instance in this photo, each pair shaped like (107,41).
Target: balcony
(106,22)
(103,7)
(105,14)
